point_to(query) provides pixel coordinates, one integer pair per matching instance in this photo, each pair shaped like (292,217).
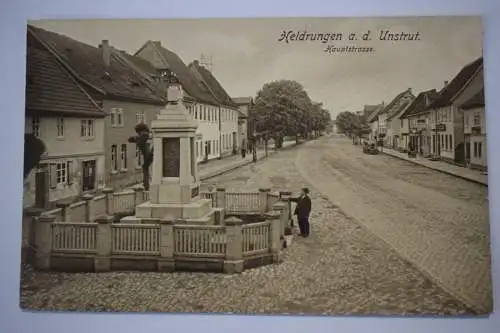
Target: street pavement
(341,269)
(454,170)
(436,221)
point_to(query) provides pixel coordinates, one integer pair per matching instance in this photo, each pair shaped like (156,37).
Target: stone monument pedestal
(175,186)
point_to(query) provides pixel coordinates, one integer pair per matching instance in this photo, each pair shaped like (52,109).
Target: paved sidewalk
(453,170)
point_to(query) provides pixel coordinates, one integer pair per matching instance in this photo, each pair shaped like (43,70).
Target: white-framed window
(87,128)
(114,158)
(116,117)
(61,173)
(60,127)
(140,117)
(138,157)
(35,126)
(123,156)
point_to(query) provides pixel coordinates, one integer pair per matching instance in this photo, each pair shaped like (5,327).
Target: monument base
(187,211)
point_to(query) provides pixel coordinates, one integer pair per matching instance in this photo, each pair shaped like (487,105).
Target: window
(209,148)
(61,173)
(479,149)
(35,126)
(209,114)
(87,128)
(451,141)
(140,118)
(123,156)
(116,117)
(401,123)
(60,127)
(138,157)
(477,118)
(442,140)
(475,149)
(114,158)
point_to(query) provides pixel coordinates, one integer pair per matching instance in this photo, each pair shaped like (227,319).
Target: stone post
(110,209)
(65,211)
(233,262)
(43,241)
(274,218)
(220,197)
(139,194)
(166,261)
(218,216)
(102,260)
(89,207)
(281,207)
(263,199)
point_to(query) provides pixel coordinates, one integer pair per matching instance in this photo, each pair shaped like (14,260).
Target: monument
(175,185)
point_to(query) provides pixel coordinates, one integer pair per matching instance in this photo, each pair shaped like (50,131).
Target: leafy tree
(281,109)
(34,148)
(352,124)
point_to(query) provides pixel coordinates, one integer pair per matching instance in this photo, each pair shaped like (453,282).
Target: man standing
(302,210)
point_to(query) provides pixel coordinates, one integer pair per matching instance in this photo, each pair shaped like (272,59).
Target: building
(395,124)
(475,131)
(372,120)
(199,100)
(415,125)
(245,105)
(386,115)
(228,111)
(71,124)
(447,123)
(126,97)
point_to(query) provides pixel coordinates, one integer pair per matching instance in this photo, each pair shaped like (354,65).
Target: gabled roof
(213,84)
(172,62)
(373,115)
(51,89)
(459,81)
(402,108)
(396,100)
(243,100)
(420,104)
(475,101)
(114,81)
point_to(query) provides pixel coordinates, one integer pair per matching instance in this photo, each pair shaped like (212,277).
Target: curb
(438,170)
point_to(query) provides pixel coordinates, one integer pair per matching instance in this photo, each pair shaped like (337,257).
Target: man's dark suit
(302,210)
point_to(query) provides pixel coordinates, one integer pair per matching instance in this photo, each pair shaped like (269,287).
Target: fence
(232,246)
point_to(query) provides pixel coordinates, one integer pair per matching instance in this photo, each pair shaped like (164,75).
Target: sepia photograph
(298,166)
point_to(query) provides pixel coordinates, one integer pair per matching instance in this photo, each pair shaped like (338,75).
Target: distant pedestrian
(302,211)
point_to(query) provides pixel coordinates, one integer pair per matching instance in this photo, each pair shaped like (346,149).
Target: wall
(207,118)
(118,134)
(480,159)
(70,149)
(229,125)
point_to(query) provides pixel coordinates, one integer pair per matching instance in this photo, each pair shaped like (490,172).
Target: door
(88,175)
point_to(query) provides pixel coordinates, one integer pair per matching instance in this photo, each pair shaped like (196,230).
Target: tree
(34,148)
(281,109)
(142,139)
(352,124)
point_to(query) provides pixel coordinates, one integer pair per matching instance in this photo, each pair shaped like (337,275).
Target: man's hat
(306,190)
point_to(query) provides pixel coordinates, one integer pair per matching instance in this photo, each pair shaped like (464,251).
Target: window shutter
(70,172)
(52,175)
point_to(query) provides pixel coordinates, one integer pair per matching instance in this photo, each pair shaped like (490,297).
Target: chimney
(426,99)
(409,90)
(445,83)
(105,51)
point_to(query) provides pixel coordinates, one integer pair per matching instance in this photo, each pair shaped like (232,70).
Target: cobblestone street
(436,221)
(341,269)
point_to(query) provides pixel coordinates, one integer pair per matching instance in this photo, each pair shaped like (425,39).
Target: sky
(247,53)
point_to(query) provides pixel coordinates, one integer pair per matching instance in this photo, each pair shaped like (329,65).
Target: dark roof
(394,101)
(243,100)
(87,63)
(373,115)
(475,101)
(50,88)
(420,104)
(400,109)
(213,84)
(459,81)
(174,63)
(143,64)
